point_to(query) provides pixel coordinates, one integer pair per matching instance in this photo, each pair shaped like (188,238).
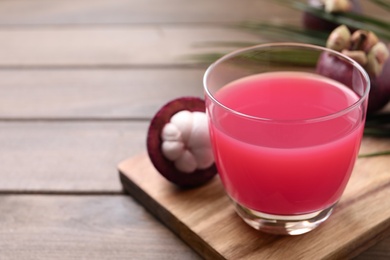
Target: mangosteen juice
(284,136)
(278,166)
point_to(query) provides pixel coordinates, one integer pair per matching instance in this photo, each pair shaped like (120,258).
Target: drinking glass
(286,122)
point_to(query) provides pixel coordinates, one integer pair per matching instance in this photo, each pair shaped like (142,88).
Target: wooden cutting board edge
(361,245)
(200,246)
(168,219)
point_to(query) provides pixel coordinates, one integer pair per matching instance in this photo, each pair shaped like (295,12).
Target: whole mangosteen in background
(313,22)
(366,49)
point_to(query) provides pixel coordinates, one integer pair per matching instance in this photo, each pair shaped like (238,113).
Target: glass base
(283,224)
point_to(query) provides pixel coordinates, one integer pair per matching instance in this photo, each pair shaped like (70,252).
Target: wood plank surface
(71,93)
(66,157)
(119,46)
(83,227)
(153,42)
(41,12)
(204,217)
(78,82)
(62,12)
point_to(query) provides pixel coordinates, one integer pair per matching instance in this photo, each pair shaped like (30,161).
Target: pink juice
(294,163)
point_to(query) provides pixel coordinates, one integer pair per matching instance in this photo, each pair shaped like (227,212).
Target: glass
(286,122)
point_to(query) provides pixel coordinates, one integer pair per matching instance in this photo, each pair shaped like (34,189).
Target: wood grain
(116,47)
(83,227)
(41,12)
(163,36)
(205,218)
(62,12)
(70,93)
(380,251)
(66,157)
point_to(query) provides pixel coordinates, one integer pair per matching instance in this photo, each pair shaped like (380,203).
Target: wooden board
(205,218)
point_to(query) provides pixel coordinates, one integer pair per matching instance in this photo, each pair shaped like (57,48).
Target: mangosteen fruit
(178,143)
(366,49)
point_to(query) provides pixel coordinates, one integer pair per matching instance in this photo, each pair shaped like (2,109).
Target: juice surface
(287,163)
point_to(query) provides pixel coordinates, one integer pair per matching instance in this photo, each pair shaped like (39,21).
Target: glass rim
(336,114)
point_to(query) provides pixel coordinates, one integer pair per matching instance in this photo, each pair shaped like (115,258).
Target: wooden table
(79,82)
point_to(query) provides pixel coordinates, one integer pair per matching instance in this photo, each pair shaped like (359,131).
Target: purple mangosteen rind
(379,95)
(165,166)
(314,23)
(331,66)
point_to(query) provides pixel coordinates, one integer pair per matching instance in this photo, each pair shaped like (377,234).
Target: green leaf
(382,3)
(285,32)
(376,131)
(374,154)
(206,57)
(302,58)
(378,118)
